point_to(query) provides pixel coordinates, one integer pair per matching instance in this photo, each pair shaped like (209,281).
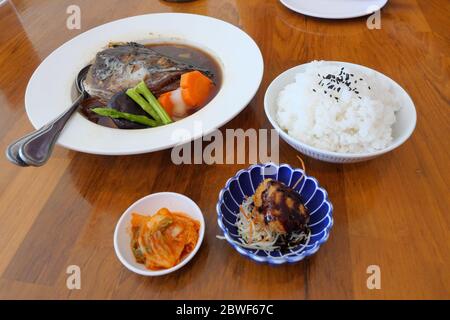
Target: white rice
(354,120)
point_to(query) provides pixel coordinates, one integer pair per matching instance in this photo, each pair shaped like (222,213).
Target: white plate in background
(335,9)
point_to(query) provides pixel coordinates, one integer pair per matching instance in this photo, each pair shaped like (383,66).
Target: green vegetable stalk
(134,94)
(162,114)
(112,113)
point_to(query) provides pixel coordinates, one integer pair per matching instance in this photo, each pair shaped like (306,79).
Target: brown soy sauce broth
(194,56)
(179,52)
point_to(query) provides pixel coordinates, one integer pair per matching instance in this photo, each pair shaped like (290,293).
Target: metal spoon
(35,148)
(12,152)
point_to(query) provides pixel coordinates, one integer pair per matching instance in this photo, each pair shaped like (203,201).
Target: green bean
(134,94)
(113,113)
(144,90)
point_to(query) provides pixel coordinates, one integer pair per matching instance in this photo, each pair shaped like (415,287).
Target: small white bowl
(401,130)
(149,205)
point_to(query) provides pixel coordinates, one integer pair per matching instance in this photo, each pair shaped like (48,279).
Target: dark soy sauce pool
(182,53)
(193,56)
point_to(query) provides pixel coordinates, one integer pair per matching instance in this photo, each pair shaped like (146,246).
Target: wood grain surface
(392,211)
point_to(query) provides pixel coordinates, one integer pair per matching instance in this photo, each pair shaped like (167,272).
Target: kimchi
(162,240)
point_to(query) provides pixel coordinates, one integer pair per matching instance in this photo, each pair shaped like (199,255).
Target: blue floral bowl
(245,182)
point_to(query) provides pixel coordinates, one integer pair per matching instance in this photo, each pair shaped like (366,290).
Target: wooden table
(392,211)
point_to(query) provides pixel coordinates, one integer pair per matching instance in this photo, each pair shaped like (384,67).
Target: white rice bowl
(357,118)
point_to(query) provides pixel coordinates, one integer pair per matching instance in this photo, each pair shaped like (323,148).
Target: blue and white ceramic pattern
(245,182)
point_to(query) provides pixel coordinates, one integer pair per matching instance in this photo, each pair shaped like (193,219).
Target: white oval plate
(335,9)
(50,90)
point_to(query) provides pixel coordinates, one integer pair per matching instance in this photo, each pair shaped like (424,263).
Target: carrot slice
(195,88)
(166,103)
